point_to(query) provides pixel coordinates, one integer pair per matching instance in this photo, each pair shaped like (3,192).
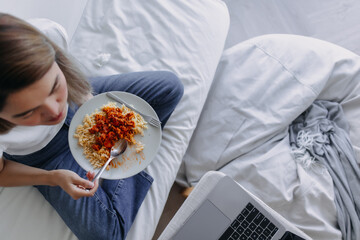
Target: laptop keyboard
(250,224)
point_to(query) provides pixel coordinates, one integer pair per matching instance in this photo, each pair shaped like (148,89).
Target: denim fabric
(111,212)
(161,89)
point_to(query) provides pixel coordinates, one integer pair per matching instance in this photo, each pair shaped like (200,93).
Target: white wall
(65,12)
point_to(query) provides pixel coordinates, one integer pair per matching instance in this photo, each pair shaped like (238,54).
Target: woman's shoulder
(25,139)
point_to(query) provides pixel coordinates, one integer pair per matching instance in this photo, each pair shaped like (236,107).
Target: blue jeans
(110,213)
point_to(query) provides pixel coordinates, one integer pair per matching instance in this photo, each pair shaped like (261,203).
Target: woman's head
(44,102)
(26,56)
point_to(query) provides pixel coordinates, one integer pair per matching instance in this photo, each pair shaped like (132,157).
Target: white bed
(209,43)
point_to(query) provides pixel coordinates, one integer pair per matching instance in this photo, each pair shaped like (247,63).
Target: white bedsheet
(260,87)
(187,37)
(184,37)
(124,36)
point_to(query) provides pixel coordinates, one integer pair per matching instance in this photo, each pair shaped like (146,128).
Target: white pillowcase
(260,87)
(52,30)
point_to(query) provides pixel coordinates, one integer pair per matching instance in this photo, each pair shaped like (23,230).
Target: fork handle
(116,98)
(98,174)
(146,117)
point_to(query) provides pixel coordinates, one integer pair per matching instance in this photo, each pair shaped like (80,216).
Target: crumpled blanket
(320,137)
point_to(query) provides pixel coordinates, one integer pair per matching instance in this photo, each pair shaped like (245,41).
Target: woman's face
(42,103)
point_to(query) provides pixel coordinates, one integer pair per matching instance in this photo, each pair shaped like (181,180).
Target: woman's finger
(80,191)
(85,183)
(90,175)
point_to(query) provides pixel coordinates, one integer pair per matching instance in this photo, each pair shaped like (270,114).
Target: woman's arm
(16,174)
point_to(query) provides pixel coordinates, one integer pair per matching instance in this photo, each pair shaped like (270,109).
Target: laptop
(230,212)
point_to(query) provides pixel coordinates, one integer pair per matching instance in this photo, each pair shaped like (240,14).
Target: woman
(40,88)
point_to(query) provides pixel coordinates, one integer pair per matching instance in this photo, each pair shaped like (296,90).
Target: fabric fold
(320,136)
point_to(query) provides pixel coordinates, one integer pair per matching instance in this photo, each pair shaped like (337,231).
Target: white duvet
(260,87)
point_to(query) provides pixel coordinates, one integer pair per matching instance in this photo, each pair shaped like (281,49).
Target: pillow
(260,87)
(52,30)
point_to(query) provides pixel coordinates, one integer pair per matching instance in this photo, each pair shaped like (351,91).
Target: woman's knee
(174,86)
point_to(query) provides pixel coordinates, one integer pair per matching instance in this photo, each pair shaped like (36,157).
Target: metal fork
(152,121)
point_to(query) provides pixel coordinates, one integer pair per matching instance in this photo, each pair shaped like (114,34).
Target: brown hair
(26,55)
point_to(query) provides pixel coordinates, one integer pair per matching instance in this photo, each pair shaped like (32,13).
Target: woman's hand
(16,174)
(74,185)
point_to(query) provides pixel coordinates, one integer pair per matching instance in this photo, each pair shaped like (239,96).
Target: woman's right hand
(73,184)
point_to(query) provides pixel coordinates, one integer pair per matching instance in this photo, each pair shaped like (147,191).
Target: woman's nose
(51,107)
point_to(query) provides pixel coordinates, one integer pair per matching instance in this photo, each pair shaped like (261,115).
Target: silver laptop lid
(228,204)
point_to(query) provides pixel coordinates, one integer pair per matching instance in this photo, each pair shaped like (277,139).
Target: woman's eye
(28,115)
(56,87)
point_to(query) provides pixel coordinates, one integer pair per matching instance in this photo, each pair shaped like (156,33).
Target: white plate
(134,163)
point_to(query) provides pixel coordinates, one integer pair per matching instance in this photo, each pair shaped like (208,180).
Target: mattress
(186,38)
